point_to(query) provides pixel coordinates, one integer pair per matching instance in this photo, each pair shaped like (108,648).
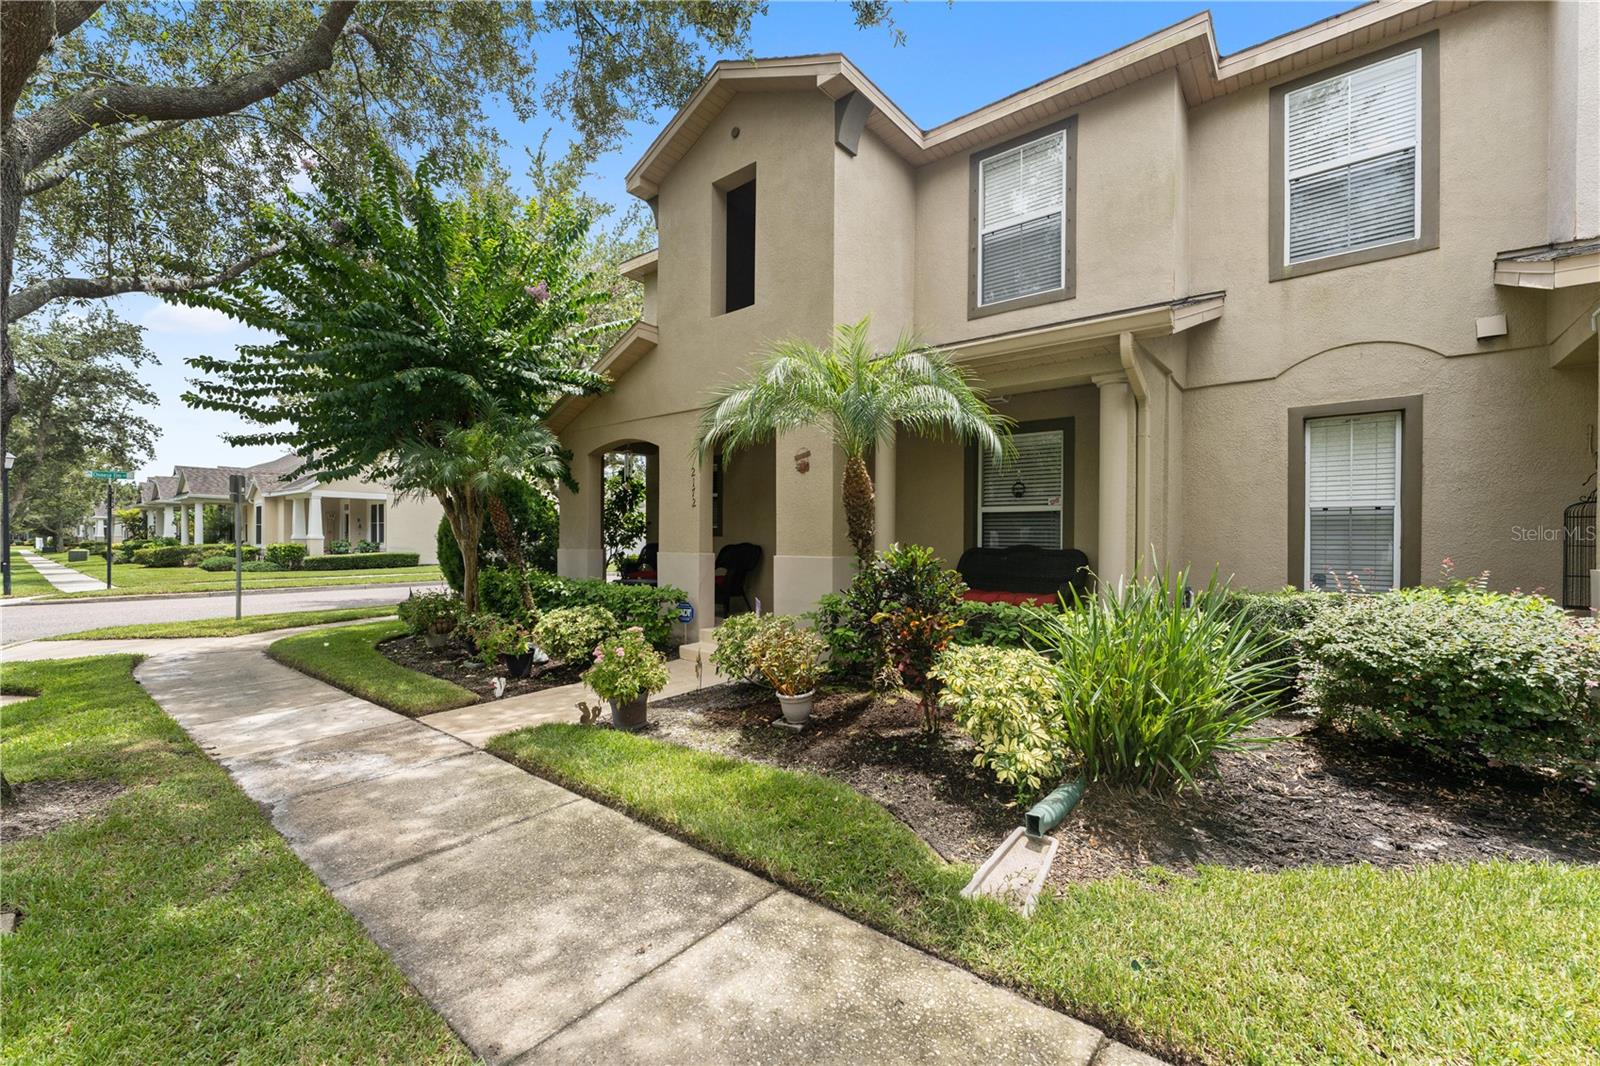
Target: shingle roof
(158,487)
(213,480)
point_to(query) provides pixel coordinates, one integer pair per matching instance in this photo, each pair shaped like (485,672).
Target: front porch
(1098,411)
(318,520)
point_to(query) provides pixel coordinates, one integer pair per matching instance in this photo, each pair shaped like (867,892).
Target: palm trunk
(859,507)
(507,536)
(466,522)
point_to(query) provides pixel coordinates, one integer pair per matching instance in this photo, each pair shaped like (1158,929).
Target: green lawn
(178,926)
(25,580)
(133,578)
(1494,962)
(228,627)
(348,658)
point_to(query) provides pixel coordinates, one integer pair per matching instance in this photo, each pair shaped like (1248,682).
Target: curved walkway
(548,928)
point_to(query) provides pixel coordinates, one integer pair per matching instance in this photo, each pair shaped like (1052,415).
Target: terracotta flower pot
(797,709)
(631,716)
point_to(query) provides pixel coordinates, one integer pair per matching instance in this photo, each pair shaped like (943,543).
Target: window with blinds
(1353,501)
(1352,160)
(1022,220)
(1019,498)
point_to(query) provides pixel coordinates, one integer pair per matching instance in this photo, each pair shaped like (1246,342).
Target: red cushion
(990,596)
(644,573)
(720,578)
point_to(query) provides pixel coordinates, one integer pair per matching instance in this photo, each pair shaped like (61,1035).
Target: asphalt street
(30,621)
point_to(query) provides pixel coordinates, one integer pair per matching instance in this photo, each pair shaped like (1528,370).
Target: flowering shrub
(571,633)
(1008,701)
(505,636)
(788,658)
(1461,674)
(626,667)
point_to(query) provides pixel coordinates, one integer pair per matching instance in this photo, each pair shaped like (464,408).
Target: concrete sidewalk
(547,928)
(63,577)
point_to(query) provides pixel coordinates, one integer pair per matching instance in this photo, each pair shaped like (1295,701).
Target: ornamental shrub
(625,667)
(364,561)
(260,566)
(1460,674)
(287,556)
(1152,690)
(215,564)
(1005,625)
(1278,617)
(534,519)
(429,612)
(732,658)
(789,658)
(161,555)
(365,546)
(339,547)
(504,636)
(1008,701)
(572,633)
(653,608)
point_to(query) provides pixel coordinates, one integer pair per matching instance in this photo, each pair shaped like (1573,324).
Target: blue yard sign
(685,612)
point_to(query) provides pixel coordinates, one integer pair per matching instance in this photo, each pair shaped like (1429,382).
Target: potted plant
(625,672)
(510,641)
(792,660)
(431,615)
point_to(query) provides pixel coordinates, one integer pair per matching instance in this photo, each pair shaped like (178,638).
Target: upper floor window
(733,258)
(1355,163)
(1022,222)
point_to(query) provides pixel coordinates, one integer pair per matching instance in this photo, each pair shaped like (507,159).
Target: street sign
(109,475)
(236,488)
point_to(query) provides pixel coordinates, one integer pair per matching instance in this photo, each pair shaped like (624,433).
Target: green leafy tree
(135,524)
(535,525)
(622,514)
(406,320)
(78,376)
(860,396)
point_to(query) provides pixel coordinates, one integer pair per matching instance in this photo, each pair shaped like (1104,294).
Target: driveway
(30,621)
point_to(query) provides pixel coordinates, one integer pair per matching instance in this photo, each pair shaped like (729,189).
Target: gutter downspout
(1128,353)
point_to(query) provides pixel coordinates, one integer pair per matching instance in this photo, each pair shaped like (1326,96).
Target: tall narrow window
(1352,515)
(1019,498)
(739,249)
(258,524)
(1022,221)
(1353,160)
(376,533)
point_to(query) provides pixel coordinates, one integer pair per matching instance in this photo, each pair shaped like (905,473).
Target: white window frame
(1397,506)
(1346,161)
(377,523)
(258,524)
(1059,209)
(1060,505)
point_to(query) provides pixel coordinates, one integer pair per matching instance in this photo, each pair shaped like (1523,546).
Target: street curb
(56,601)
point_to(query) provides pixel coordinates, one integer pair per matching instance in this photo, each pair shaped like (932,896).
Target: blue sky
(956,57)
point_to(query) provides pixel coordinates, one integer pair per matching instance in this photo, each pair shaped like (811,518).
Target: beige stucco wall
(1171,200)
(749,513)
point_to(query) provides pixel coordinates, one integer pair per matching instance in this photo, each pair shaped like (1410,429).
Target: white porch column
(884,492)
(183,523)
(1117,424)
(297,519)
(199,523)
(314,525)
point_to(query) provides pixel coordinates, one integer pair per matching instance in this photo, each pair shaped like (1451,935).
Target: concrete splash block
(1016,871)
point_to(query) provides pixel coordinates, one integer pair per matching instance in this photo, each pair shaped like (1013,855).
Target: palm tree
(470,470)
(860,396)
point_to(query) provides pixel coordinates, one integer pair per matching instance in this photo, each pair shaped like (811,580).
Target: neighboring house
(282,508)
(93,527)
(1320,307)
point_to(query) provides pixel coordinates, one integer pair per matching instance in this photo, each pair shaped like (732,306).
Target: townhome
(1321,308)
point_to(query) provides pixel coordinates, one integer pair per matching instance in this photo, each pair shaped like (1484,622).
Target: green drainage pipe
(1053,809)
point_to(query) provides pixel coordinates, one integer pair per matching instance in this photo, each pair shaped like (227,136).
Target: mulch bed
(40,806)
(454,662)
(1313,797)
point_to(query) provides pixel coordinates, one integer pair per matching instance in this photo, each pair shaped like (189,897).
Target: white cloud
(179,318)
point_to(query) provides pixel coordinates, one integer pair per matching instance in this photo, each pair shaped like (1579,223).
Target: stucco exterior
(1177,357)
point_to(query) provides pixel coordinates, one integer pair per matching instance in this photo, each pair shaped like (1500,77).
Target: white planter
(797,709)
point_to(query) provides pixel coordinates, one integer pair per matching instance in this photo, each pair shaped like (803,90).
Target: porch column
(297,519)
(883,489)
(199,523)
(183,523)
(1117,424)
(687,558)
(314,525)
(578,550)
(814,555)
(652,499)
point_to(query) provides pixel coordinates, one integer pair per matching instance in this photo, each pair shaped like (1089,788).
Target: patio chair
(738,562)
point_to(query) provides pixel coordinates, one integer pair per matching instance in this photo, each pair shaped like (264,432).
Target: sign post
(110,477)
(236,493)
